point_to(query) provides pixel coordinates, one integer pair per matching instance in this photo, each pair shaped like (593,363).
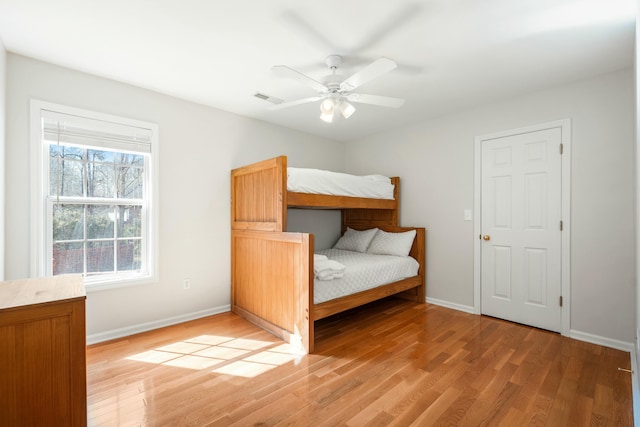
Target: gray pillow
(355,240)
(398,244)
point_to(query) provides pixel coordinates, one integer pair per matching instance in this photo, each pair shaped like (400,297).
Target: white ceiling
(451,54)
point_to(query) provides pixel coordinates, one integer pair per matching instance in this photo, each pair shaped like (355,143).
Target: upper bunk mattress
(315,181)
(363,271)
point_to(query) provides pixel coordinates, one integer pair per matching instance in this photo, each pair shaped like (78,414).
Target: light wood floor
(393,362)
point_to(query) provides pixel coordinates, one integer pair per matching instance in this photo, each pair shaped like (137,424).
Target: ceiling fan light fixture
(326,117)
(346,109)
(327,108)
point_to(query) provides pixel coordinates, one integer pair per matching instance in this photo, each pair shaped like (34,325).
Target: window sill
(107,285)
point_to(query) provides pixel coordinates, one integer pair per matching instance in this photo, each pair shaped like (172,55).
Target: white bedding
(316,181)
(363,271)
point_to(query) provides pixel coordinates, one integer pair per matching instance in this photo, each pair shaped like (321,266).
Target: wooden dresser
(43,352)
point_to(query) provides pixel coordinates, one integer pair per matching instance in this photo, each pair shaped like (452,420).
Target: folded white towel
(331,277)
(328,269)
(318,258)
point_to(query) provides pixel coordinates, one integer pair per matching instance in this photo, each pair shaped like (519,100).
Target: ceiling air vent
(264,97)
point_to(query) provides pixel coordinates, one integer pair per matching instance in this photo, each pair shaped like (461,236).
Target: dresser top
(17,293)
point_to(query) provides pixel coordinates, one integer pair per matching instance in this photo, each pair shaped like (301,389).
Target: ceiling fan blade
(370,72)
(383,101)
(289,72)
(295,102)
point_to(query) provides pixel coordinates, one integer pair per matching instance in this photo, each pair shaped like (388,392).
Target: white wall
(435,162)
(3,80)
(198,148)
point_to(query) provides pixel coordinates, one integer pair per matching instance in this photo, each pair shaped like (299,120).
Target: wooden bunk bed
(272,274)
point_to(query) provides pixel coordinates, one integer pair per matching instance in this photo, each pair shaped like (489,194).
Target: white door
(521,202)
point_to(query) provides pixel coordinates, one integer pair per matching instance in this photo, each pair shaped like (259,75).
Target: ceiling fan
(336,93)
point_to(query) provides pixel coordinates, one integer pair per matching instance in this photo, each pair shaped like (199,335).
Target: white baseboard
(143,327)
(452,305)
(597,339)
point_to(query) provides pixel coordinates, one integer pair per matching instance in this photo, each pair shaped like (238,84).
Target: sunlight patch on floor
(193,362)
(244,369)
(226,355)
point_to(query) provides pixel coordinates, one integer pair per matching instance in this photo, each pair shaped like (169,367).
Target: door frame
(565,252)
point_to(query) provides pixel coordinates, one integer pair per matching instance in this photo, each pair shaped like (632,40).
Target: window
(95,211)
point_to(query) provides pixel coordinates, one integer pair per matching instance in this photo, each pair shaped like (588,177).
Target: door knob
(486,237)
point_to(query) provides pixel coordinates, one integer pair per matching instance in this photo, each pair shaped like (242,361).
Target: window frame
(41,206)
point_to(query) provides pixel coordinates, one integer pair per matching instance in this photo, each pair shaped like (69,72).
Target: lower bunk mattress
(362,271)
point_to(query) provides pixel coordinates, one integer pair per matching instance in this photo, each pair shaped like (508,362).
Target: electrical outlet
(186,284)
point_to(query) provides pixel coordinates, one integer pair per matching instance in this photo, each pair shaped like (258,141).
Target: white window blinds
(66,129)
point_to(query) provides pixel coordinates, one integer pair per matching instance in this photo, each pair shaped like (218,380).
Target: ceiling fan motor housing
(333,61)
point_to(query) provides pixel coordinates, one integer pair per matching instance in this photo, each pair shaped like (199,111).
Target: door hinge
(560,300)
(561,148)
(561,225)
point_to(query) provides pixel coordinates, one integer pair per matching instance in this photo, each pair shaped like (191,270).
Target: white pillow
(398,244)
(355,240)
